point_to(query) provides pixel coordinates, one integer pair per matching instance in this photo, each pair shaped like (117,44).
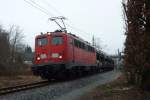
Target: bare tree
(12,51)
(15,38)
(4,44)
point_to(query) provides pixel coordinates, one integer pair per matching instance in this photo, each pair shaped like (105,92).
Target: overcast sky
(101,18)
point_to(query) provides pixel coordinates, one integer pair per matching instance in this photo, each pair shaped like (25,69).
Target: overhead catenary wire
(53,7)
(42,9)
(75,28)
(71,25)
(50,13)
(35,5)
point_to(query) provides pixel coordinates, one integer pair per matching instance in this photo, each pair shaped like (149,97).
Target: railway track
(18,88)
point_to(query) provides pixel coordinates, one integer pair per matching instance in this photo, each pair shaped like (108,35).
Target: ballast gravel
(67,90)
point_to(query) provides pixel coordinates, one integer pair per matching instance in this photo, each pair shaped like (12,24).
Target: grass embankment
(8,79)
(117,90)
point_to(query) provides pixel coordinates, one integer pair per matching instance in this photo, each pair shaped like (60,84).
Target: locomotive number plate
(55,55)
(43,56)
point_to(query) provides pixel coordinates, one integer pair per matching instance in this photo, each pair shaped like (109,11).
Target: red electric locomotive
(59,53)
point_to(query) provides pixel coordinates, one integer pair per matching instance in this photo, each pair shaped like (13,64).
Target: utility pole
(93,41)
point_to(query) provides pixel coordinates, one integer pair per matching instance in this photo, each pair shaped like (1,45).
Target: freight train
(60,54)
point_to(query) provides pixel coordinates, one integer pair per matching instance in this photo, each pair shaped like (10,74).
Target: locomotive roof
(78,38)
(57,32)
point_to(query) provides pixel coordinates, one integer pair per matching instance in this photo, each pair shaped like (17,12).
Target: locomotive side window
(90,49)
(42,41)
(77,43)
(57,40)
(81,45)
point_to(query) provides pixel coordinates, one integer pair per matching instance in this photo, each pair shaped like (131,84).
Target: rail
(18,88)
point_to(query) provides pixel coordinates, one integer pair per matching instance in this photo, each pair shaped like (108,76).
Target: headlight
(60,57)
(38,58)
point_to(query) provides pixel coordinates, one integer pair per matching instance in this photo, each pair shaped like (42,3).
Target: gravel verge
(69,90)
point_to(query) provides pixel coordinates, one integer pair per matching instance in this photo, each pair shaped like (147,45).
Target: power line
(33,4)
(51,6)
(77,29)
(42,9)
(81,33)
(71,26)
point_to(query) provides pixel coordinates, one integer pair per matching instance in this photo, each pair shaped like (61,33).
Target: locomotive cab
(58,48)
(50,48)
(41,50)
(49,53)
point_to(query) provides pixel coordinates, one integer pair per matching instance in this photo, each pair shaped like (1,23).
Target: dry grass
(8,81)
(12,70)
(18,77)
(116,90)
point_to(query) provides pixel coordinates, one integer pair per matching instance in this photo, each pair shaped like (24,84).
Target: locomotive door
(72,50)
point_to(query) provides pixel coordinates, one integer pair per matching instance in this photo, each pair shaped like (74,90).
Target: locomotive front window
(57,40)
(42,41)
